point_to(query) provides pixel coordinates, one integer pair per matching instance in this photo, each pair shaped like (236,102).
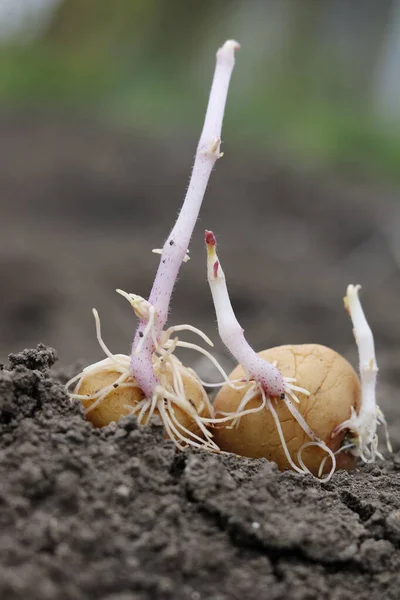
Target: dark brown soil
(117,513)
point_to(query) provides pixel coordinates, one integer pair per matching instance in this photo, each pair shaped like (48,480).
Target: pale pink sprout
(266,377)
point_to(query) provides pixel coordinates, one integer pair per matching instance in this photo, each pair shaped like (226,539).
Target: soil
(117,513)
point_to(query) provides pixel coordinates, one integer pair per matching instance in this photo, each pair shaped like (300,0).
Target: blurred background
(318,78)
(101,106)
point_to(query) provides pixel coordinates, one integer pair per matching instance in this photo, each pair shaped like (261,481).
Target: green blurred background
(101,106)
(319,81)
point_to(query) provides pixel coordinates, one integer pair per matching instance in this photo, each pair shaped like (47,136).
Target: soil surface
(118,513)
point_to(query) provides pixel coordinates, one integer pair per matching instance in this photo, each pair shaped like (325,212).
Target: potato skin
(334,387)
(112,408)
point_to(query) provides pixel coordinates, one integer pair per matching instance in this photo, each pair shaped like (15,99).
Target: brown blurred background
(101,105)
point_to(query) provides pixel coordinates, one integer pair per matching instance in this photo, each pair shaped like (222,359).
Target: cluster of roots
(243,418)
(108,392)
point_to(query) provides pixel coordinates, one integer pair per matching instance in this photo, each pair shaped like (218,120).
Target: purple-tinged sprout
(176,246)
(152,380)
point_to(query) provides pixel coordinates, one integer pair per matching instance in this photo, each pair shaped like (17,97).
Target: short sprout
(362,425)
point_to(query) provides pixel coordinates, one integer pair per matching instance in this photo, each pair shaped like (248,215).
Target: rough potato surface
(334,388)
(116,404)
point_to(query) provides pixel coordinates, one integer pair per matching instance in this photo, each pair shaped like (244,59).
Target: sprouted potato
(301,406)
(119,399)
(152,380)
(109,391)
(334,391)
(336,418)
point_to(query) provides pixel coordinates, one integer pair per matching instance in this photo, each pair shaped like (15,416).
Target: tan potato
(113,406)
(334,387)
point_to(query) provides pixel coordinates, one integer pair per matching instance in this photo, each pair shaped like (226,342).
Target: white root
(331,455)
(208,355)
(240,412)
(166,395)
(195,330)
(301,420)
(221,383)
(281,436)
(160,251)
(303,469)
(103,346)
